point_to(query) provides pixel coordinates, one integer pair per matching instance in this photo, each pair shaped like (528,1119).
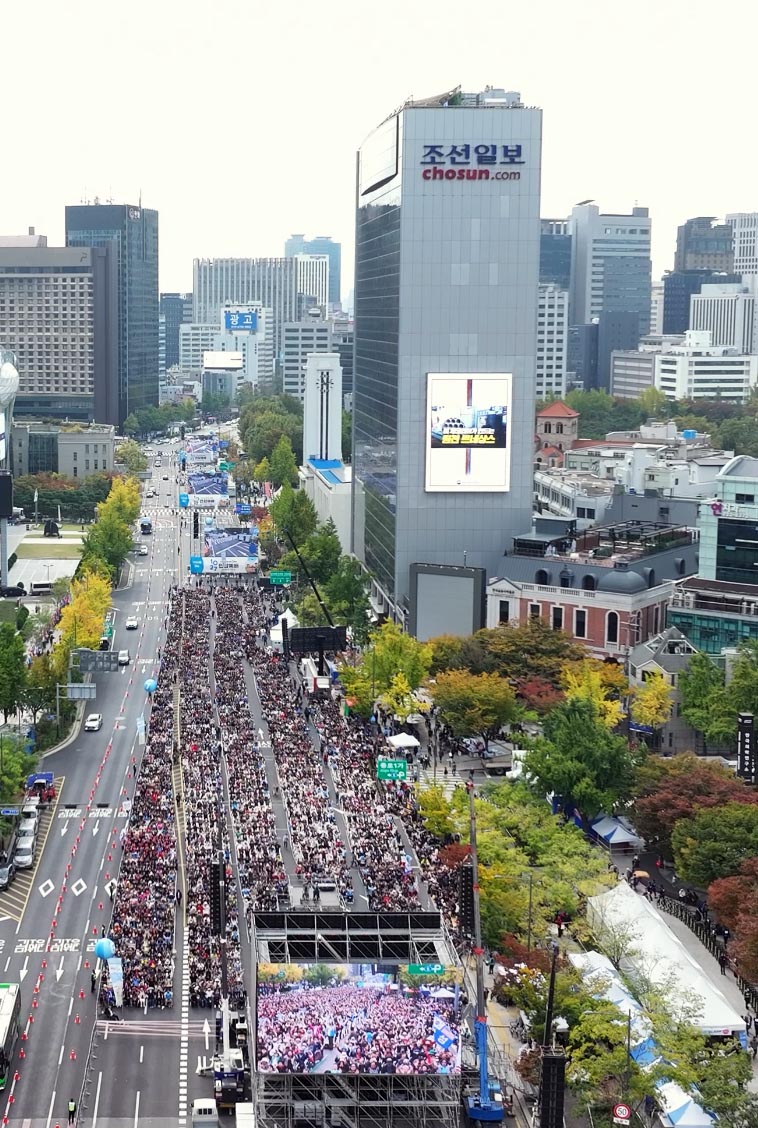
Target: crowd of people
(142,925)
(355,1029)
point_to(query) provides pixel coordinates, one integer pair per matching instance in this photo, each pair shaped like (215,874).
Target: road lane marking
(50,1110)
(141,1055)
(136,1110)
(46,888)
(97,1100)
(78,887)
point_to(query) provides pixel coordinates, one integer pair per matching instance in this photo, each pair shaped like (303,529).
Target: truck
(145,526)
(245,1114)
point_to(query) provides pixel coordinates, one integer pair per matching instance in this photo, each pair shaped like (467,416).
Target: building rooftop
(579,481)
(671,650)
(605,545)
(557,410)
(718,596)
(742,466)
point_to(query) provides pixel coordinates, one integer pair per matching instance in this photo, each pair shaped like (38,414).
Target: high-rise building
(445,343)
(132,233)
(656,308)
(194,340)
(343,342)
(174,308)
(704,244)
(314,335)
(555,252)
(313,279)
(678,288)
(744,226)
(728,311)
(272,282)
(610,264)
(693,369)
(321,245)
(552,341)
(59,314)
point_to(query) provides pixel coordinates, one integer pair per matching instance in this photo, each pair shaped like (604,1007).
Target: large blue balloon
(151,685)
(105,949)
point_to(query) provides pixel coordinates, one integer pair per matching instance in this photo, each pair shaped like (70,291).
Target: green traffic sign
(426,969)
(391,769)
(226,465)
(109,631)
(280,577)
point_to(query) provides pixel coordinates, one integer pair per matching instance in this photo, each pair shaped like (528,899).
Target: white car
(143,550)
(24,855)
(123,658)
(132,623)
(94,722)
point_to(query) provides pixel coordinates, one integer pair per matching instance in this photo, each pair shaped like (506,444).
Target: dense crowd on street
(142,927)
(352,1029)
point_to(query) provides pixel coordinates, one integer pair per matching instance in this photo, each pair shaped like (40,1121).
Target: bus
(10,1012)
(145,526)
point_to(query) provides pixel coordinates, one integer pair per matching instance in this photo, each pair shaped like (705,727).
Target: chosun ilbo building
(447,264)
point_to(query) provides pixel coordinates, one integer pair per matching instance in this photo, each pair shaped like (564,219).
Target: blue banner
(196,565)
(183,500)
(242,509)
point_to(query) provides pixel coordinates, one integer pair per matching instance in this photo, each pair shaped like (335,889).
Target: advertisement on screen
(358,1018)
(467,432)
(207,489)
(201,452)
(228,544)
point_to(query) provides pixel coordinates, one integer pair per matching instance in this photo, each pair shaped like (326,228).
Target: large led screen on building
(467,437)
(357,1018)
(228,544)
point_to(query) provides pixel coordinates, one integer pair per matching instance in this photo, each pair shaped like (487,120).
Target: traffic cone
(77,1020)
(22,1053)
(73,1055)
(81,994)
(86,963)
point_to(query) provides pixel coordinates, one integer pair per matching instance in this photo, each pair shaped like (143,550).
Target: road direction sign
(392,769)
(426,969)
(9,812)
(622,1114)
(98,662)
(280,577)
(80,691)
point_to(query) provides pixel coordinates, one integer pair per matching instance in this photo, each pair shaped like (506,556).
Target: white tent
(290,618)
(658,954)
(679,1109)
(403,740)
(615,832)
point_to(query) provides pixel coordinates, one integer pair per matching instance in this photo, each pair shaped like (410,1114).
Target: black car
(7,873)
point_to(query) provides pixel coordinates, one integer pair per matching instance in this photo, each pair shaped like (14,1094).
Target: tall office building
(174,307)
(744,227)
(610,264)
(343,343)
(313,279)
(59,315)
(272,282)
(728,312)
(678,288)
(552,341)
(132,233)
(321,245)
(445,342)
(313,335)
(555,252)
(704,244)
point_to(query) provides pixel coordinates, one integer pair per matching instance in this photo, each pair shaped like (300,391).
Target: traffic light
(181,431)
(196,524)
(218,900)
(466,898)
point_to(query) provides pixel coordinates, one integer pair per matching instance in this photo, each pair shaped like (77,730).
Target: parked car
(7,873)
(27,828)
(24,856)
(94,722)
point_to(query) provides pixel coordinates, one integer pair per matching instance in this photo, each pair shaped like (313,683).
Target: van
(204,1111)
(27,828)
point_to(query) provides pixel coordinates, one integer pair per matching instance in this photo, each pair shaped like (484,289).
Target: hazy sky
(239,121)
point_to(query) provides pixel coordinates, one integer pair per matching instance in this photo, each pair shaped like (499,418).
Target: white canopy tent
(655,952)
(291,620)
(403,740)
(679,1109)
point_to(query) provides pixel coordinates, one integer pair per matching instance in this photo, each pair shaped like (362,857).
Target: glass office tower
(133,233)
(446,274)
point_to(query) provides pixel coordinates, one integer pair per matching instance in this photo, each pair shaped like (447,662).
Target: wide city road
(50,921)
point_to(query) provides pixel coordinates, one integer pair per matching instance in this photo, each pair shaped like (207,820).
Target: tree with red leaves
(734,900)
(537,694)
(676,788)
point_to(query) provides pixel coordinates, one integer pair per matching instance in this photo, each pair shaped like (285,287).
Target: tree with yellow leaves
(81,622)
(652,701)
(598,683)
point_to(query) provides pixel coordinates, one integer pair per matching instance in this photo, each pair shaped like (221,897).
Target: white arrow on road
(59,971)
(207,1032)
(260,734)
(23,971)
(95,828)
(64,829)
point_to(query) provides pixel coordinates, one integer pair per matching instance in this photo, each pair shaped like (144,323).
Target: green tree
(530,649)
(705,702)
(262,471)
(109,540)
(347,593)
(283,465)
(12,669)
(474,703)
(654,403)
(130,454)
(389,652)
(582,763)
(15,765)
(38,694)
(131,424)
(652,701)
(293,512)
(347,435)
(715,842)
(320,553)
(739,435)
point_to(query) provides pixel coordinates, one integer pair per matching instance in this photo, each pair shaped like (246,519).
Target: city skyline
(609,134)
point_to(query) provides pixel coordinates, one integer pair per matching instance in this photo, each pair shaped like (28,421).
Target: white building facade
(313,278)
(727,311)
(744,227)
(552,341)
(299,339)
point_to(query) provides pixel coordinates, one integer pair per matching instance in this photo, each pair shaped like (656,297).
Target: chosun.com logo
(470,174)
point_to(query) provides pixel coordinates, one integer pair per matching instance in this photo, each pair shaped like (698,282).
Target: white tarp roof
(615,832)
(292,621)
(601,977)
(658,954)
(403,740)
(680,1110)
